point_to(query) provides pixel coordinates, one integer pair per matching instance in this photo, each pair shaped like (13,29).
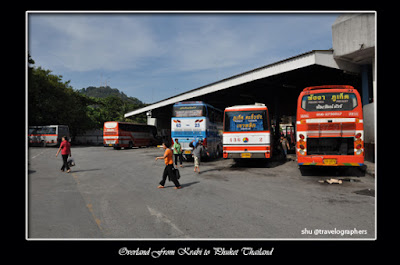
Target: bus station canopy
(282,81)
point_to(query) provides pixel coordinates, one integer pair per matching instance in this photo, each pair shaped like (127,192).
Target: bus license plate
(245,155)
(329,161)
(188,152)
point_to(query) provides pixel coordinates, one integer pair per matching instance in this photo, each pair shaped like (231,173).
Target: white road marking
(164,219)
(37,155)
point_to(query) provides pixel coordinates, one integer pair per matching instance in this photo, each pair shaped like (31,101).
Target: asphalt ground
(113,194)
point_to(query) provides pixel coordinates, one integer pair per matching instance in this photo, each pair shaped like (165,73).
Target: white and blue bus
(196,120)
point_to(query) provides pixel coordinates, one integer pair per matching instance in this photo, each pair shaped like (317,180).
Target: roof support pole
(276,114)
(365,84)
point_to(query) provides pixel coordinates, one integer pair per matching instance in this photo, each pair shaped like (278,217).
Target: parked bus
(48,135)
(330,128)
(247,132)
(125,134)
(196,120)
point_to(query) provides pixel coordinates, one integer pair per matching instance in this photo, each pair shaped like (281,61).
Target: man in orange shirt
(168,168)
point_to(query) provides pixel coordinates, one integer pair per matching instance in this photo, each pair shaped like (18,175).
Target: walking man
(285,145)
(177,153)
(168,167)
(197,155)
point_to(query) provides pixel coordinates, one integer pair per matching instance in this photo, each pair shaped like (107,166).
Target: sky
(156,56)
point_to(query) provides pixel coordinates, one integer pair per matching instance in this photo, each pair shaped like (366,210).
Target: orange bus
(125,134)
(330,128)
(247,132)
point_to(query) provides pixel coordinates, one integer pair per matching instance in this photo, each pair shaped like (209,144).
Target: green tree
(112,105)
(52,101)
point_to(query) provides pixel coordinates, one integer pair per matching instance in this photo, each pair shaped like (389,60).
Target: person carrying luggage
(168,170)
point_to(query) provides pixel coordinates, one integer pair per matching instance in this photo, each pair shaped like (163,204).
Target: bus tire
(130,145)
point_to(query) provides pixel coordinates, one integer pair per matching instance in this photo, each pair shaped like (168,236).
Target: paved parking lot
(113,194)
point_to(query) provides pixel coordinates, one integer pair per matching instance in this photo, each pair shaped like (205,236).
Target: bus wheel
(43,143)
(130,145)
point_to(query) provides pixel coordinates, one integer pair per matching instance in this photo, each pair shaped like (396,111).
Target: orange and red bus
(125,134)
(247,132)
(330,128)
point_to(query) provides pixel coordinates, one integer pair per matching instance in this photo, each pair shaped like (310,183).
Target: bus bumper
(318,160)
(245,155)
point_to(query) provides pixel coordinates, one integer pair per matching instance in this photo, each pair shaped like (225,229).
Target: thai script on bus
(334,97)
(240,118)
(251,121)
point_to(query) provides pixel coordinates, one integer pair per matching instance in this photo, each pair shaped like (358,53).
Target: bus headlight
(301,151)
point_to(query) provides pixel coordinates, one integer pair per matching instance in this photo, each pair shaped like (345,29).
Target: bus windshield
(239,121)
(189,111)
(329,101)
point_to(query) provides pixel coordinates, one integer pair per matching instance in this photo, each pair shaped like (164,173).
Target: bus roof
(189,102)
(328,87)
(245,107)
(196,103)
(40,126)
(126,122)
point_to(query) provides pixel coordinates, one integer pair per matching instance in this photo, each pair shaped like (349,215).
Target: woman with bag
(65,148)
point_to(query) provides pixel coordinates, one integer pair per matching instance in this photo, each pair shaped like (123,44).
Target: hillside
(103,92)
(111,105)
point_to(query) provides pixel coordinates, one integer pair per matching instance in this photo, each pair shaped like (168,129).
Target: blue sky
(155,56)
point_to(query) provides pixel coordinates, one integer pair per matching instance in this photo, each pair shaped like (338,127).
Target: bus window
(237,121)
(329,101)
(189,111)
